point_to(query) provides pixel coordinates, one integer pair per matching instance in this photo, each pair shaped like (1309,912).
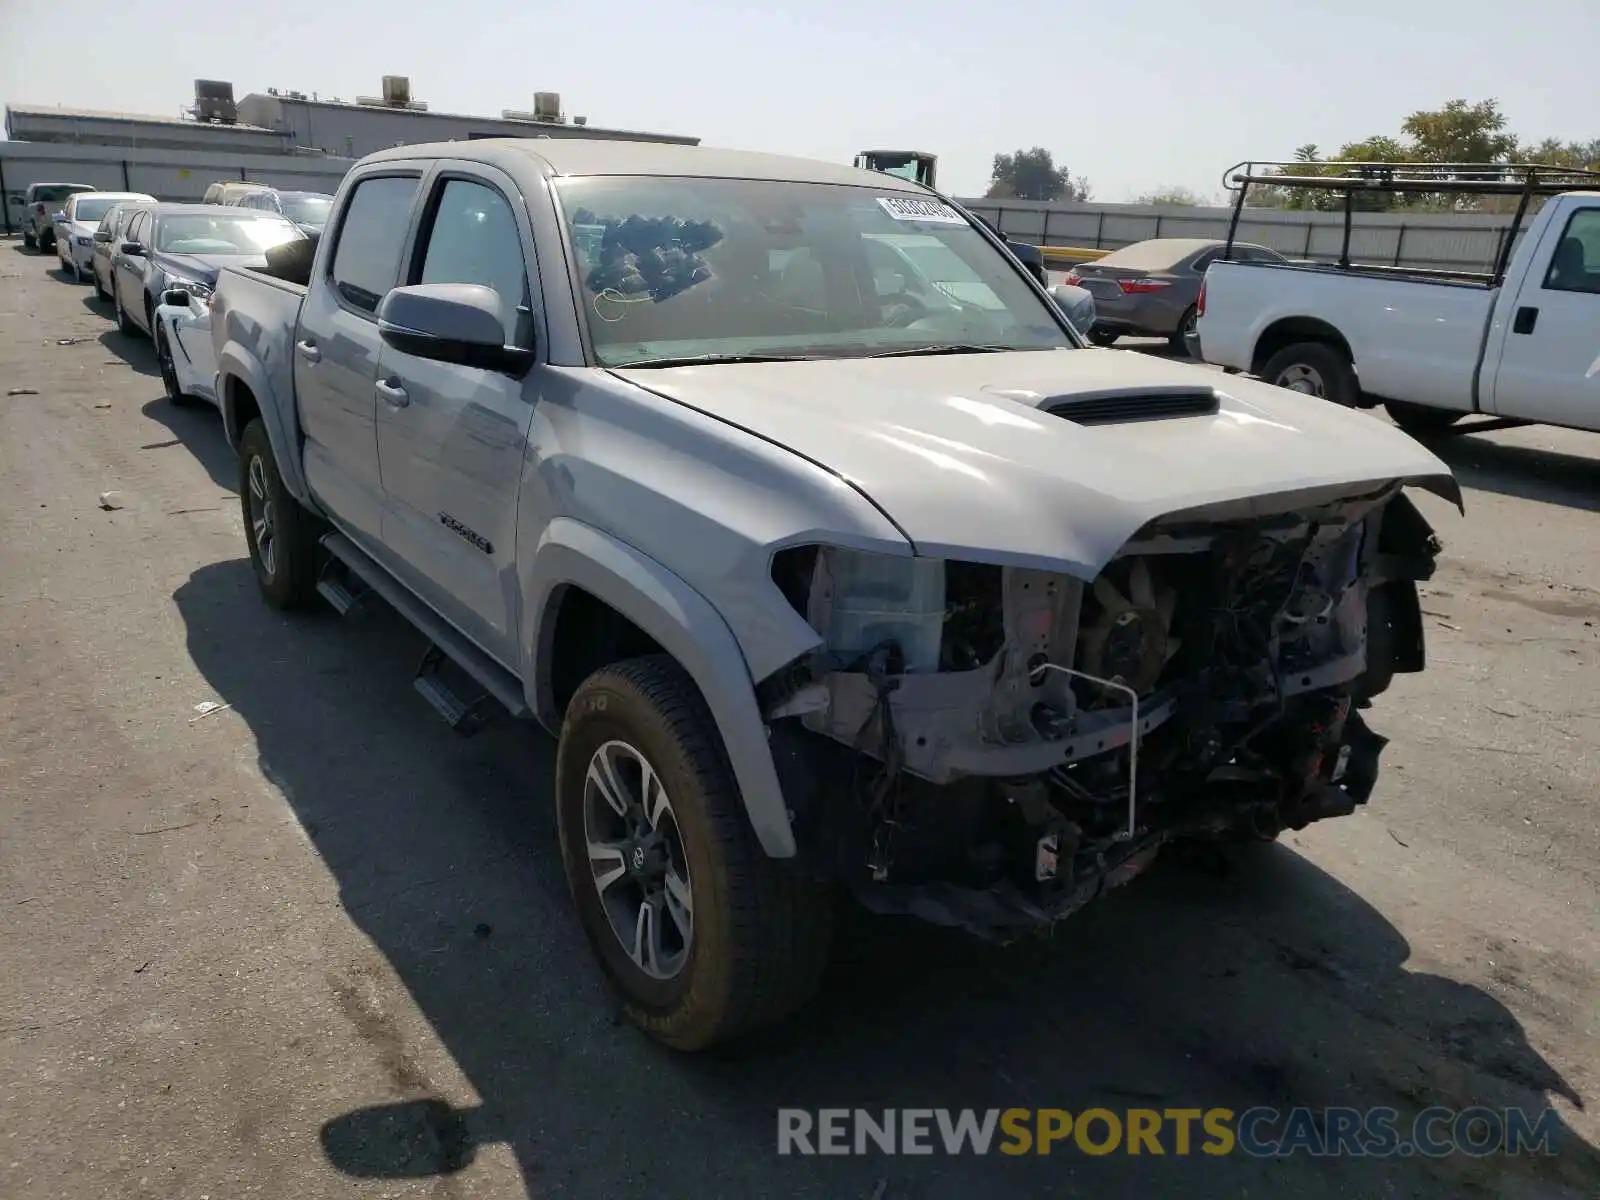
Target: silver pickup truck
(828,574)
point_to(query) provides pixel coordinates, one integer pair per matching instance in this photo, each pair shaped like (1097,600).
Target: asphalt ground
(313,944)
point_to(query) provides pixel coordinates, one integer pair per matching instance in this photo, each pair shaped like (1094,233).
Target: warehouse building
(289,122)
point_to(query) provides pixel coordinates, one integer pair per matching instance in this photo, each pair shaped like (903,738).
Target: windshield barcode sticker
(909,208)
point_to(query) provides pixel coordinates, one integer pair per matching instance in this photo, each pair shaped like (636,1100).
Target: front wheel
(281,536)
(29,242)
(1418,418)
(169,370)
(1314,369)
(100,292)
(701,934)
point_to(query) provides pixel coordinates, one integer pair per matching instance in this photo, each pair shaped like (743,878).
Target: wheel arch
(244,391)
(577,571)
(1286,331)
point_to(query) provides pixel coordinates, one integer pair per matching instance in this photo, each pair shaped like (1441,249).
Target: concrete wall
(1443,241)
(165,174)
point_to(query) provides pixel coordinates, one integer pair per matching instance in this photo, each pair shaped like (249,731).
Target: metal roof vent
(547,106)
(213,101)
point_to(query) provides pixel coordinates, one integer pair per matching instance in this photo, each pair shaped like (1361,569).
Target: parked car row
(155,263)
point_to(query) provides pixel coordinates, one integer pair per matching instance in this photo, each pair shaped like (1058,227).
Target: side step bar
(465,715)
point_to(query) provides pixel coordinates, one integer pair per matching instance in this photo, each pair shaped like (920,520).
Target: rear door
(336,347)
(1549,363)
(453,439)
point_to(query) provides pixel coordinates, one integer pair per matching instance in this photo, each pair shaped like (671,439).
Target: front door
(452,440)
(336,351)
(1550,362)
(127,270)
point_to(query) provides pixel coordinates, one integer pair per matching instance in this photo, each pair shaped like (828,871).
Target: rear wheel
(1417,418)
(1185,327)
(1104,337)
(281,536)
(1314,369)
(124,323)
(701,934)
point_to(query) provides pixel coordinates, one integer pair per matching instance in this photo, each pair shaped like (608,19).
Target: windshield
(308,210)
(675,268)
(91,210)
(206,233)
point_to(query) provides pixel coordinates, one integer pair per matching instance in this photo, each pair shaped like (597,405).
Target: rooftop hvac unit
(396,91)
(547,106)
(213,101)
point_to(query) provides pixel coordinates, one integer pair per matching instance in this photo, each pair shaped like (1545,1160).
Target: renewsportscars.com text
(1256,1132)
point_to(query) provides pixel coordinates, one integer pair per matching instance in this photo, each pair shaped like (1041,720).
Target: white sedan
(75,225)
(183,347)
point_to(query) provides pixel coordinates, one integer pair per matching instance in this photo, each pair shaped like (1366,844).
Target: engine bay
(992,746)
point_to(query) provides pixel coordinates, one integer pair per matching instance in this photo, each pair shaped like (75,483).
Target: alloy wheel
(263,518)
(635,853)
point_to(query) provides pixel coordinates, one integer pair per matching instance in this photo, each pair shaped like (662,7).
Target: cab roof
(557,157)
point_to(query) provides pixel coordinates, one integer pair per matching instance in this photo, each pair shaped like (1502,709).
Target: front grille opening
(1107,408)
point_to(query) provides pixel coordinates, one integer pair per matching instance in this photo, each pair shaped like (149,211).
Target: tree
(1457,132)
(1460,132)
(1173,197)
(1033,175)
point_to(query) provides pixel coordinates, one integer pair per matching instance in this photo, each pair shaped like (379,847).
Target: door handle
(393,394)
(308,351)
(1527,316)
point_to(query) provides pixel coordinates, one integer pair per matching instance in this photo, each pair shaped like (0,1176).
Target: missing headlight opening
(992,747)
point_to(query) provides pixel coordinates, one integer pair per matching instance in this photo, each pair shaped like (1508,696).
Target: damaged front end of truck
(991,747)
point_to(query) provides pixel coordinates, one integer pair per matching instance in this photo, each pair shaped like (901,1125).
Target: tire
(1185,324)
(100,293)
(169,374)
(759,935)
(1324,371)
(124,324)
(29,242)
(1104,337)
(1418,418)
(287,570)
(47,242)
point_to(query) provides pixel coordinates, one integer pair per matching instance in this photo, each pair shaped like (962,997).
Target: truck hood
(964,454)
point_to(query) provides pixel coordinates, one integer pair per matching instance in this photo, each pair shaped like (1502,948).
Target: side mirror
(133,249)
(459,323)
(102,235)
(176,297)
(1076,304)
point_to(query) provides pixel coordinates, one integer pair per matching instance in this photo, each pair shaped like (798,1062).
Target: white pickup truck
(1521,342)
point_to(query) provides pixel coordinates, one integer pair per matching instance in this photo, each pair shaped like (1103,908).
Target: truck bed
(253,321)
(1412,335)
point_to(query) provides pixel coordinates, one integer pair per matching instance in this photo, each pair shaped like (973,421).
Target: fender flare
(236,361)
(684,624)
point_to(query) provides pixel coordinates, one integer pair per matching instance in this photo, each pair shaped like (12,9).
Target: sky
(1136,97)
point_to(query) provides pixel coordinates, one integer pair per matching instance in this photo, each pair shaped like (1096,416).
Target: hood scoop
(1115,406)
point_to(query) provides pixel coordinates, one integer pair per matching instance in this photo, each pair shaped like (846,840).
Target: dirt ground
(316,945)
